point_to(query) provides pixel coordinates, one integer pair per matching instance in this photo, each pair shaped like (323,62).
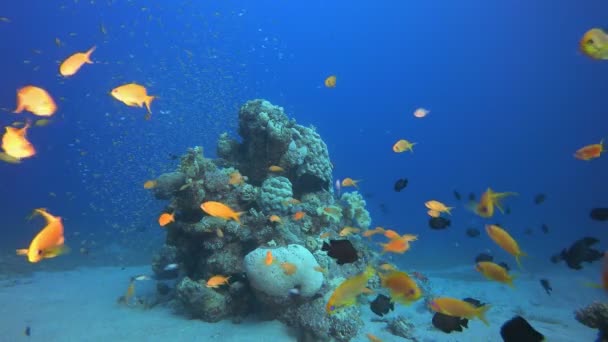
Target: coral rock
(202,302)
(273,281)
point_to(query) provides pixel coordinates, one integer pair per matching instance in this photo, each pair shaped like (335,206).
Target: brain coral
(273,281)
(274,193)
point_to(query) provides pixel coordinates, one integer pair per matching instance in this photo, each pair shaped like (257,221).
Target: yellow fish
(133,95)
(494,272)
(346,293)
(459,308)
(489,200)
(217,209)
(595,44)
(505,241)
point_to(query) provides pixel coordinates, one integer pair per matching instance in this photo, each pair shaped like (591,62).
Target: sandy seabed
(81,305)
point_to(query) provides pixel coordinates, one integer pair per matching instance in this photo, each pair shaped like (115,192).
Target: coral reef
(355,209)
(284,210)
(594,316)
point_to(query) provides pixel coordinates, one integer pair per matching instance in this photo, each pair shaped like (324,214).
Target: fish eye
(40,252)
(589,41)
(332,308)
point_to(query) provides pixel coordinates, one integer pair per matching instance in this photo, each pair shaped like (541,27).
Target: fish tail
(88,55)
(518,261)
(148,102)
(237,216)
(481,314)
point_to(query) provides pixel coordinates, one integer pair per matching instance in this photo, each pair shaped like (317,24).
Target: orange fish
(288,268)
(373,338)
(489,200)
(269,259)
(590,151)
(325,235)
(133,95)
(402,287)
(421,112)
(217,209)
(458,308)
(399,245)
(391,234)
(217,281)
(505,241)
(15,143)
(150,184)
(494,272)
(130,292)
(403,146)
(299,215)
(73,63)
(604,284)
(236,178)
(346,293)
(346,231)
(292,201)
(433,213)
(438,206)
(274,219)
(330,82)
(320,269)
(36,101)
(166,218)
(350,182)
(370,232)
(275,168)
(49,242)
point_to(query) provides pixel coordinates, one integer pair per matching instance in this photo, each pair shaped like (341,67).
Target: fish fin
(55,251)
(517,259)
(88,55)
(148,102)
(237,216)
(22,251)
(481,314)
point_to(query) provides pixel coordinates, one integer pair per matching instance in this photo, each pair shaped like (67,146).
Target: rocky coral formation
(594,316)
(270,138)
(295,287)
(274,281)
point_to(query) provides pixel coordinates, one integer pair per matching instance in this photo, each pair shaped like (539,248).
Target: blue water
(511,99)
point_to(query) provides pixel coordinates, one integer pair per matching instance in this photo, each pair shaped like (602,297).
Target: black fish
(518,329)
(599,214)
(27,331)
(544,228)
(439,223)
(545,284)
(473,232)
(457,195)
(382,305)
(341,250)
(483,257)
(540,198)
(400,184)
(447,324)
(471,196)
(580,251)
